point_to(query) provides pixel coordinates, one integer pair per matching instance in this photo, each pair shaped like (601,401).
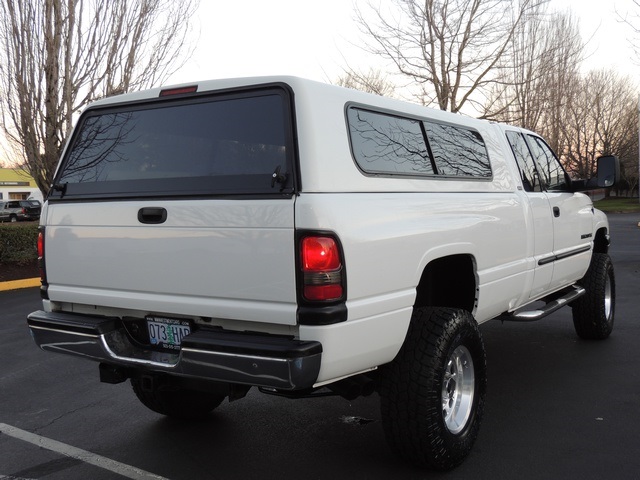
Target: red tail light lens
(320,253)
(178,91)
(43,276)
(322,292)
(322,268)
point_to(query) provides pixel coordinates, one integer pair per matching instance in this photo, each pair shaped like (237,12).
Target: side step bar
(553,303)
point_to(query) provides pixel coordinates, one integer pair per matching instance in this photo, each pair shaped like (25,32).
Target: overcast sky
(317,39)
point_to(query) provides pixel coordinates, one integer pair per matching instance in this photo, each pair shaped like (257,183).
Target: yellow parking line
(16,284)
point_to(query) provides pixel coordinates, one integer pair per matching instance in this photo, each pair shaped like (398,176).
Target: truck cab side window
(526,165)
(554,175)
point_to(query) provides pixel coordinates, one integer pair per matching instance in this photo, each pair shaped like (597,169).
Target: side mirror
(608,172)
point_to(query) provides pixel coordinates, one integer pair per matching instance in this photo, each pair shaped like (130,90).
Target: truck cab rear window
(388,144)
(203,146)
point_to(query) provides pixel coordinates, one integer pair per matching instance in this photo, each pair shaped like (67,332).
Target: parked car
(18,210)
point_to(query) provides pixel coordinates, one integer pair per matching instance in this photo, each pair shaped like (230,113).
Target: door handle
(152,215)
(556,212)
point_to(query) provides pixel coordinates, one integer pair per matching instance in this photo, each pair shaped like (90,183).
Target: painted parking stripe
(87,457)
(17,284)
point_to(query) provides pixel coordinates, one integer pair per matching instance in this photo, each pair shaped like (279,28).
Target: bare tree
(372,82)
(600,120)
(632,20)
(627,152)
(58,55)
(547,53)
(449,49)
(630,162)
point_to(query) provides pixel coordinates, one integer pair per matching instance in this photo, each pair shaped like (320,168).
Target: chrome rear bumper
(232,357)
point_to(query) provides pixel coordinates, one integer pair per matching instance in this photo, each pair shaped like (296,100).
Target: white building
(15,184)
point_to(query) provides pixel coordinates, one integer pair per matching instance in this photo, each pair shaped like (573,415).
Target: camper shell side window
(388,144)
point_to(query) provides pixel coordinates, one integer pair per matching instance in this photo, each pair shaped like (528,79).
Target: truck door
(572,217)
(540,215)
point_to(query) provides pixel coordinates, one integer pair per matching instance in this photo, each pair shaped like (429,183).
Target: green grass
(618,205)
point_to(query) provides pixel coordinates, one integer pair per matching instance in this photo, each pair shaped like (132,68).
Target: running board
(554,302)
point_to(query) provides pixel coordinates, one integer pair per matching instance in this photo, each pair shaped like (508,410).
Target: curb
(17,284)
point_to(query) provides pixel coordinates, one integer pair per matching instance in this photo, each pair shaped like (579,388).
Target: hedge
(18,242)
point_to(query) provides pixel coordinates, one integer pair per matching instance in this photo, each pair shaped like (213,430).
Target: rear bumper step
(233,357)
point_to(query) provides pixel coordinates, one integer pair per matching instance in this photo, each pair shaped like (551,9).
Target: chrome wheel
(458,389)
(608,298)
(594,312)
(432,393)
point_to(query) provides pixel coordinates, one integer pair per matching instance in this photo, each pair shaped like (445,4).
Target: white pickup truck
(295,236)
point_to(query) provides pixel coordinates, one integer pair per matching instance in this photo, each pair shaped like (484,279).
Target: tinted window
(388,144)
(220,145)
(525,162)
(458,151)
(550,167)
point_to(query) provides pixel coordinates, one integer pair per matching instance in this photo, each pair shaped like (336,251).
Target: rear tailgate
(210,258)
(31,209)
(178,205)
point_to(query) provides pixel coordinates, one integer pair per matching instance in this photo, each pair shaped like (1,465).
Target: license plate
(167,332)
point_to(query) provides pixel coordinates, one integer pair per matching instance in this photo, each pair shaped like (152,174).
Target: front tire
(593,313)
(432,394)
(176,402)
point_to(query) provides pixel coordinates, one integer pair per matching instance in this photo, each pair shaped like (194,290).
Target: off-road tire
(176,402)
(593,313)
(413,389)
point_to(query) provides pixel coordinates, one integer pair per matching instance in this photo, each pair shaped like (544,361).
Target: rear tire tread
(177,402)
(589,314)
(411,385)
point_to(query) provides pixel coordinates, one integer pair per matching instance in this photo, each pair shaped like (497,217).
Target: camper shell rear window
(204,145)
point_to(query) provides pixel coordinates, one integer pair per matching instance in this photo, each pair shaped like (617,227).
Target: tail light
(178,91)
(322,269)
(41,264)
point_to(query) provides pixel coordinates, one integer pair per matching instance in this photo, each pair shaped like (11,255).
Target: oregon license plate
(167,332)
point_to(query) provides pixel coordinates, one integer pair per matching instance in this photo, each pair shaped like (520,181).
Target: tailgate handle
(152,215)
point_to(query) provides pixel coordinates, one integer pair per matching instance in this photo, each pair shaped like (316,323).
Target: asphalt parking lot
(557,407)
